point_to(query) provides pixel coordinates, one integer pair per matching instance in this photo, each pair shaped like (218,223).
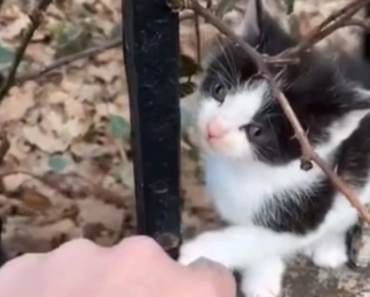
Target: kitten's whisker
(225,72)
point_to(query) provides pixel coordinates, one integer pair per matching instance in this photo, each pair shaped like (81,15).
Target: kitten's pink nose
(215,129)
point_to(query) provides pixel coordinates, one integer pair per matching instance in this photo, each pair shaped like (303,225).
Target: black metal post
(151,51)
(3,257)
(366,39)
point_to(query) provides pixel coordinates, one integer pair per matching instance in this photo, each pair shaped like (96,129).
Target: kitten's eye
(255,133)
(256,77)
(219,92)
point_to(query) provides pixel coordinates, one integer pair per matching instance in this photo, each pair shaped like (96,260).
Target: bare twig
(209,4)
(289,6)
(363,24)
(70,59)
(307,151)
(197,37)
(326,27)
(239,9)
(4,148)
(36,19)
(336,15)
(186,16)
(56,181)
(88,54)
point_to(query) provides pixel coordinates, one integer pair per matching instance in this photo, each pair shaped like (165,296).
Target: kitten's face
(238,117)
(233,124)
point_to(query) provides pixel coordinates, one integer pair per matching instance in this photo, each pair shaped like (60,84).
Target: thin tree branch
(363,24)
(118,42)
(308,154)
(239,9)
(335,21)
(90,53)
(56,181)
(334,16)
(289,6)
(197,37)
(4,147)
(70,59)
(186,16)
(36,19)
(209,4)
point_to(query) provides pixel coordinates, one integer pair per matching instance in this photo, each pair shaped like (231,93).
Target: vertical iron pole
(366,39)
(3,257)
(151,52)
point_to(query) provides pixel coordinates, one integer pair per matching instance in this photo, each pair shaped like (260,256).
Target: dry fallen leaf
(40,54)
(46,143)
(14,181)
(21,237)
(96,211)
(35,200)
(19,23)
(74,108)
(19,101)
(106,72)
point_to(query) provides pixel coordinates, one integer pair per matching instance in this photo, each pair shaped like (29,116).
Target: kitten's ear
(251,23)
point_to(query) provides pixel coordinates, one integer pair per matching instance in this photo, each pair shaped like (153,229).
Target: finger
(74,254)
(140,251)
(21,269)
(139,266)
(74,268)
(144,245)
(216,275)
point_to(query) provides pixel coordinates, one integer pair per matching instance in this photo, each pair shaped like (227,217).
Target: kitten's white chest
(234,192)
(239,190)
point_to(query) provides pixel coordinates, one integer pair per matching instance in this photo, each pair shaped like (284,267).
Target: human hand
(137,267)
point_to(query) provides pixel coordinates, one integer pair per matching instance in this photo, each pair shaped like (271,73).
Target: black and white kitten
(252,158)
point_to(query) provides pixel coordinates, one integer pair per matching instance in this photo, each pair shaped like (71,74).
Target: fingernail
(220,275)
(205,263)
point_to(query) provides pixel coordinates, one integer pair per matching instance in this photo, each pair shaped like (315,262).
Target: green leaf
(71,38)
(224,7)
(57,163)
(119,127)
(6,57)
(188,66)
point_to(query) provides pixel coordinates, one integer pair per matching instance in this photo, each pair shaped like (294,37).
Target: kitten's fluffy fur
(275,209)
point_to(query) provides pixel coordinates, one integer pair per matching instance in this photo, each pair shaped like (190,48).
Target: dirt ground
(68,172)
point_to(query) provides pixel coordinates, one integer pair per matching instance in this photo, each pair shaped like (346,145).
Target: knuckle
(24,260)
(217,282)
(207,287)
(27,262)
(76,246)
(140,242)
(141,245)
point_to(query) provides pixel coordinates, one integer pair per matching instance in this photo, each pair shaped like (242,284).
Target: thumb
(221,278)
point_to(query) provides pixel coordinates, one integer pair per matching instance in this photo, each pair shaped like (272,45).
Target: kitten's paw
(264,280)
(207,245)
(330,253)
(262,288)
(333,258)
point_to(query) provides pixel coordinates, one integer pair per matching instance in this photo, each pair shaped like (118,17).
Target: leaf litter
(68,172)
